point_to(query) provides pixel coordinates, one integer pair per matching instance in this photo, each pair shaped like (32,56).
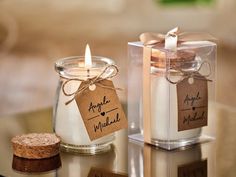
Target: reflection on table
(35,166)
(67,164)
(80,165)
(149,161)
(223,165)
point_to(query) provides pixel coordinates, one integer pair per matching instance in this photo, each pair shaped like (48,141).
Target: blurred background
(34,34)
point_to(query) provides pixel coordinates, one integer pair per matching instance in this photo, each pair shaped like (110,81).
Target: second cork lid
(163,58)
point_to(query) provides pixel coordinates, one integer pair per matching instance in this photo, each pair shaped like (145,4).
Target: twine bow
(175,36)
(156,38)
(192,74)
(91,81)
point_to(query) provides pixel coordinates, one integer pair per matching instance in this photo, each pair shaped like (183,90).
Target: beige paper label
(196,169)
(192,104)
(101,109)
(96,172)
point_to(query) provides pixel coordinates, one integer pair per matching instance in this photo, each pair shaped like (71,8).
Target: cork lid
(179,59)
(36,139)
(36,145)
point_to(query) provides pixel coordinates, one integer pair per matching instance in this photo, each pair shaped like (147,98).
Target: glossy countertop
(213,159)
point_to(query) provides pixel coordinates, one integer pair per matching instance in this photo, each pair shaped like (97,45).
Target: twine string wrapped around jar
(91,81)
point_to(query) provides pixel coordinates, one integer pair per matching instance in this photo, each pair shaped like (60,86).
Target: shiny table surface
(214,159)
(71,164)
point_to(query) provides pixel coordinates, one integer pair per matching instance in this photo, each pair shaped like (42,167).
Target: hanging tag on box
(101,109)
(192,103)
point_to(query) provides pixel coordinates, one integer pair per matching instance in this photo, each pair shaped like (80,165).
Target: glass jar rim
(63,65)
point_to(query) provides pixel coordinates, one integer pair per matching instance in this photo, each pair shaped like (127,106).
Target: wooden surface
(220,153)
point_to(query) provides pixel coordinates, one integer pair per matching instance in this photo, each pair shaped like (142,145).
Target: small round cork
(181,57)
(36,145)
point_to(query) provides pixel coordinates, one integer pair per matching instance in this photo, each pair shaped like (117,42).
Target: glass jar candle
(68,123)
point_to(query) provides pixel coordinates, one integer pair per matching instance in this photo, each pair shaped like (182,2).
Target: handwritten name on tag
(192,104)
(101,109)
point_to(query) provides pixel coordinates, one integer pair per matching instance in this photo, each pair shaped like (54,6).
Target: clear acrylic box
(171,95)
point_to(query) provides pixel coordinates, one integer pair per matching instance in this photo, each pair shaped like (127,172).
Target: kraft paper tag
(196,169)
(192,103)
(96,172)
(101,109)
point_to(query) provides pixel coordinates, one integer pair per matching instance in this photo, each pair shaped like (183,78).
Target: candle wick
(88,73)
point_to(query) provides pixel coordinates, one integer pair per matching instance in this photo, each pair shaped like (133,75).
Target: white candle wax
(69,124)
(164,112)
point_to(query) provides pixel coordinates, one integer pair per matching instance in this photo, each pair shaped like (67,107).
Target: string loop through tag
(91,81)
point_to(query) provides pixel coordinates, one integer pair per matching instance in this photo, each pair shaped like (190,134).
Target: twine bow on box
(171,40)
(150,39)
(91,81)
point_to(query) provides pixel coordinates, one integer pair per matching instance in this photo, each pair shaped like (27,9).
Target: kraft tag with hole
(192,95)
(101,109)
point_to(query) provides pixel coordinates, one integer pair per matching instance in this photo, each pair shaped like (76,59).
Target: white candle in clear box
(68,123)
(164,111)
(164,108)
